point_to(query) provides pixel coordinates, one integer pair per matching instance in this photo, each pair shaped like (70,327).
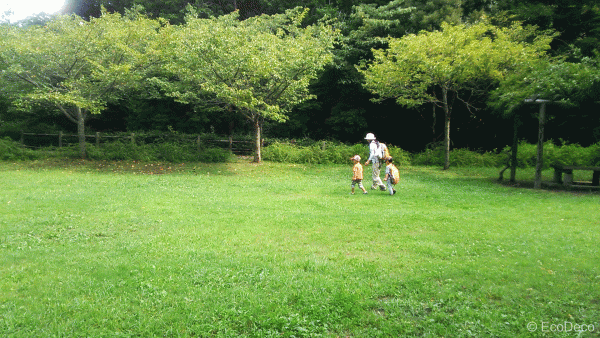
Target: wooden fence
(238,147)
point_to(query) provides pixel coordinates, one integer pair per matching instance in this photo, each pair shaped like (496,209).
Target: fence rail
(238,147)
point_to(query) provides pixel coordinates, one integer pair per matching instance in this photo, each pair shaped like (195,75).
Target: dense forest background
(342,109)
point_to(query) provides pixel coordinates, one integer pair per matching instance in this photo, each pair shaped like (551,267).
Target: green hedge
(120,150)
(310,152)
(565,154)
(459,158)
(324,152)
(167,151)
(12,151)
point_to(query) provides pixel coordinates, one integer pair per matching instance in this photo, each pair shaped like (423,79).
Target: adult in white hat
(374,157)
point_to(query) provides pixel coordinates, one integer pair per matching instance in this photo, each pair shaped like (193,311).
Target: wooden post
(60,139)
(537,184)
(568,177)
(540,147)
(558,174)
(22,140)
(515,146)
(132,138)
(198,143)
(97,140)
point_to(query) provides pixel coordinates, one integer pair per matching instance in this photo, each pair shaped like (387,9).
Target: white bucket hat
(370,136)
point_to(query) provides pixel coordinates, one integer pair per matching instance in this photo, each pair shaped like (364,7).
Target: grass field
(127,249)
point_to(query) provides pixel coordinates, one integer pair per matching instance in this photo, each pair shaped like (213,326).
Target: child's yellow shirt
(357,172)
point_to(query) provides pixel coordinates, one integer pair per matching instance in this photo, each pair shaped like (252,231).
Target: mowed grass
(127,249)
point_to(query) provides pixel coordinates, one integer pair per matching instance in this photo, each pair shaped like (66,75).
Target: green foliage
(558,81)
(452,59)
(259,67)
(71,62)
(434,156)
(12,151)
(369,25)
(75,65)
(438,67)
(173,152)
(325,153)
(565,154)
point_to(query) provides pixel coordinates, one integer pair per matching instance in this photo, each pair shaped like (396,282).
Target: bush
(168,151)
(324,152)
(594,154)
(12,151)
(433,156)
(566,154)
(459,158)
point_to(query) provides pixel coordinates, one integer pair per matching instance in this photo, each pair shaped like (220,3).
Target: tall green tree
(577,22)
(260,67)
(453,63)
(77,66)
(549,83)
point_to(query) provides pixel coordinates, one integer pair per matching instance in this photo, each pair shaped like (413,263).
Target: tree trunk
(257,141)
(81,132)
(446,129)
(433,124)
(540,147)
(515,146)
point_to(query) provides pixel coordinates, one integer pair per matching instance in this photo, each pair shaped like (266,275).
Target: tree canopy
(336,106)
(75,65)
(439,67)
(260,67)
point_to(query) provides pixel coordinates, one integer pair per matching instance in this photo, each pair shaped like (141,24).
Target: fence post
(132,138)
(198,143)
(97,139)
(60,137)
(22,140)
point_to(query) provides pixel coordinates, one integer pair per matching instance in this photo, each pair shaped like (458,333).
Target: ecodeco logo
(560,327)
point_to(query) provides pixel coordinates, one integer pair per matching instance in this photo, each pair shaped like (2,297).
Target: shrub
(324,152)
(167,151)
(593,157)
(434,156)
(214,155)
(12,151)
(566,154)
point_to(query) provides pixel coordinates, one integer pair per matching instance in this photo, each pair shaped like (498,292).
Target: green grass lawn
(127,249)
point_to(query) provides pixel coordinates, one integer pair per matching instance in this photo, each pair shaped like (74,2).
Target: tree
(76,65)
(442,66)
(545,82)
(577,22)
(260,67)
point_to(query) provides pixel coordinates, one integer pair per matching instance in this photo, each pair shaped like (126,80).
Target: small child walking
(357,174)
(392,175)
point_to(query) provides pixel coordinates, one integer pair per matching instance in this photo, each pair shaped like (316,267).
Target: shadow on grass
(582,187)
